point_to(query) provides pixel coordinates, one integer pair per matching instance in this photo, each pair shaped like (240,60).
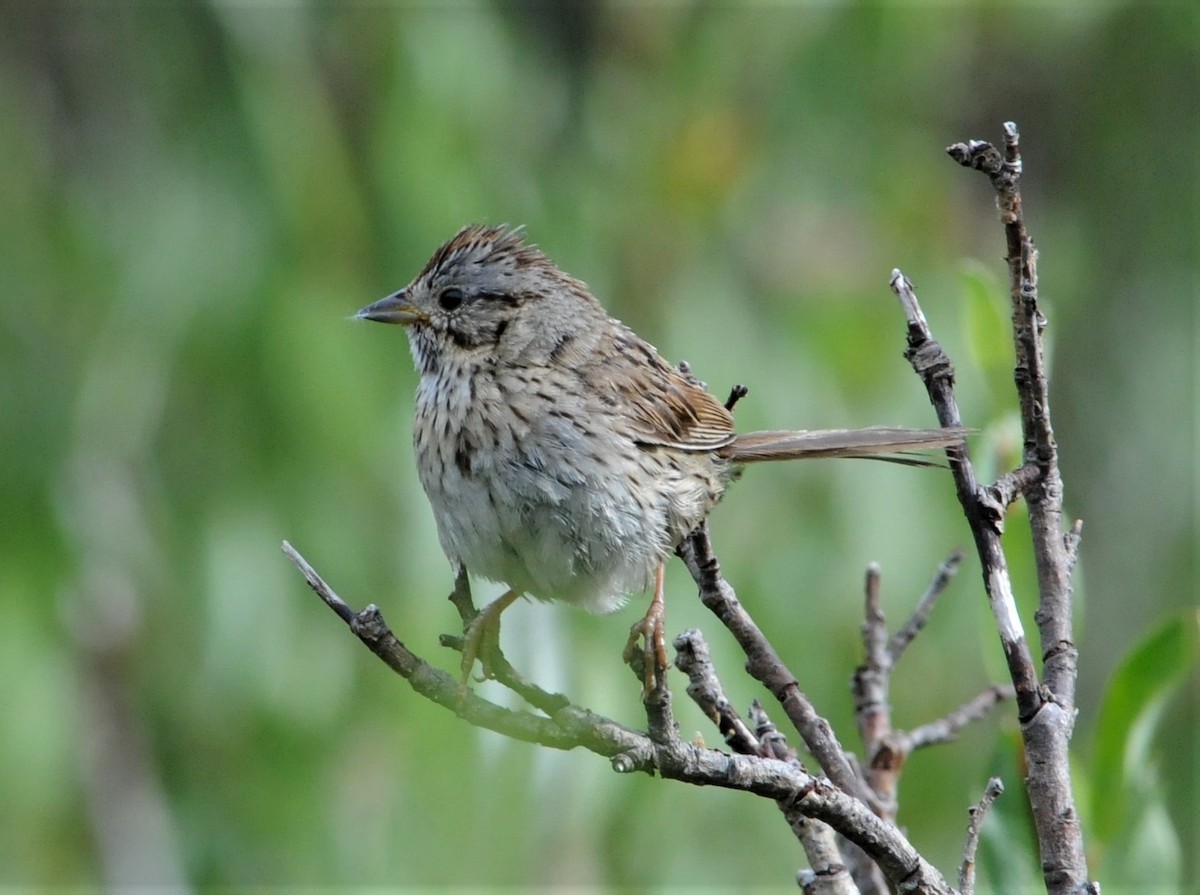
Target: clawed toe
(481,638)
(651,630)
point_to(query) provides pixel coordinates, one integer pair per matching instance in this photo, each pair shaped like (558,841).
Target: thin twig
(774,743)
(1044,494)
(916,622)
(828,874)
(871,679)
(976,815)
(870,686)
(837,865)
(764,663)
(461,598)
(693,658)
(944,729)
(660,719)
(317,583)
(1012,485)
(875,637)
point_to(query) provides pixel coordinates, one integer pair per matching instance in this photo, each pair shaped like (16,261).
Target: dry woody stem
(782,779)
(1046,706)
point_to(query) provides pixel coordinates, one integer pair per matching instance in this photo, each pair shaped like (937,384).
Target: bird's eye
(450,298)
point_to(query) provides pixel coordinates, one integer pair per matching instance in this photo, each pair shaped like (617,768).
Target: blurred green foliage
(196,196)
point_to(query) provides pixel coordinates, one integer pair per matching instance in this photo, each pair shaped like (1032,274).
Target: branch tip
(946,728)
(318,585)
(976,815)
(920,616)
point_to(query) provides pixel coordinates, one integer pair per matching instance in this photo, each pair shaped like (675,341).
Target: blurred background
(196,197)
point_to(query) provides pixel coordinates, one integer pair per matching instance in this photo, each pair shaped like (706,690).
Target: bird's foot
(481,639)
(651,630)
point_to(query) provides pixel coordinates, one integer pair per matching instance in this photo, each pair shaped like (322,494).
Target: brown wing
(661,404)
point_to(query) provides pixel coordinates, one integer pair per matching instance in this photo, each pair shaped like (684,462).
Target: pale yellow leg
(651,629)
(484,632)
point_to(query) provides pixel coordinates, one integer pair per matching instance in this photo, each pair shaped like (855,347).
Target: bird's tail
(882,443)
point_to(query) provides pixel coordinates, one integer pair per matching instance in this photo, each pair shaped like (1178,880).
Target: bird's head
(485,292)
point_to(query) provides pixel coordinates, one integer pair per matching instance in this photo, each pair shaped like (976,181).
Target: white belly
(543,500)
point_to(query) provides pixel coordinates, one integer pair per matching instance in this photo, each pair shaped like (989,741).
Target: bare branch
(874,625)
(828,874)
(693,658)
(822,849)
(976,814)
(864,874)
(941,580)
(871,679)
(1047,730)
(602,734)
(317,583)
(983,513)
(630,751)
(1012,485)
(870,686)
(886,749)
(764,663)
(1045,725)
(1043,493)
(944,729)
(461,599)
(660,719)
(773,742)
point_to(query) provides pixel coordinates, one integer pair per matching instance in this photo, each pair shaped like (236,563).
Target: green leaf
(1147,848)
(1123,768)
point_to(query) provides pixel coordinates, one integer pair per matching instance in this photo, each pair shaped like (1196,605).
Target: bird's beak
(396,308)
